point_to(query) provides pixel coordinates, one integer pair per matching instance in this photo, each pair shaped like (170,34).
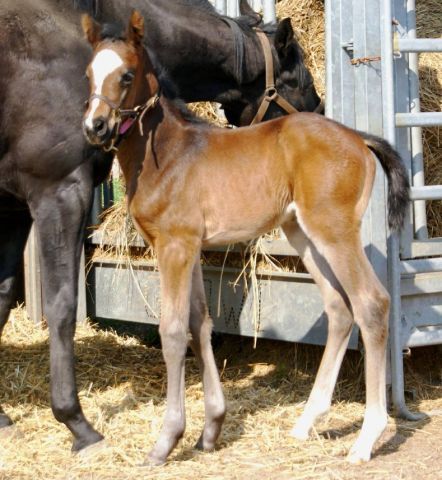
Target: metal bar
(421,266)
(417,156)
(422,119)
(221,6)
(402,104)
(427,192)
(81,306)
(397,367)
(257,5)
(418,45)
(269,11)
(423,338)
(33,290)
(94,217)
(426,248)
(232,8)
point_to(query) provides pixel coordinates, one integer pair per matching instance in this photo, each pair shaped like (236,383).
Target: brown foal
(191,185)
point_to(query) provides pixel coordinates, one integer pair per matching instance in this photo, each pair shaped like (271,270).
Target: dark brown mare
(48,170)
(190,185)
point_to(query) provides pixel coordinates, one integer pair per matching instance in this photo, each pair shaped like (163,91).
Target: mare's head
(293,80)
(117,77)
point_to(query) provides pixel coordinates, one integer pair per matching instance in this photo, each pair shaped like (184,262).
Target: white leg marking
(317,406)
(375,421)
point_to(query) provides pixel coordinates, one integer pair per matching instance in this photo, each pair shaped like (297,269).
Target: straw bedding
(122,390)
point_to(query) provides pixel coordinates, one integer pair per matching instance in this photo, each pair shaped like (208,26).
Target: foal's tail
(398,184)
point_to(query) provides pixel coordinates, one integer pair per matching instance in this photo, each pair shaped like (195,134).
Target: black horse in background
(196,50)
(48,172)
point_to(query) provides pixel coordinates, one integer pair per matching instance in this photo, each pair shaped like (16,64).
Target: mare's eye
(126,79)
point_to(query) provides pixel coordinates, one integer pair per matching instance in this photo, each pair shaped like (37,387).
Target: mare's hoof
(204,447)
(93,450)
(10,432)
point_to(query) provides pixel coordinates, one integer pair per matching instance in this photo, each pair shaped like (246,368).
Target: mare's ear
(246,10)
(136,28)
(283,37)
(91,29)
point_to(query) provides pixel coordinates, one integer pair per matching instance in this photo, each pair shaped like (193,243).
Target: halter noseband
(132,115)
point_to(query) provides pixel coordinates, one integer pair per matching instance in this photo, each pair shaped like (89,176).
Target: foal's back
(234,185)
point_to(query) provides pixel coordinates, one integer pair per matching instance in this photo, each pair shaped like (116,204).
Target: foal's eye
(126,78)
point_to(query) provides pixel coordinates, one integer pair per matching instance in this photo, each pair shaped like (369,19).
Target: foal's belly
(217,234)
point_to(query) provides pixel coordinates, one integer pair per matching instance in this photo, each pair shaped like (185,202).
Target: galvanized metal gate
(416,281)
(373,85)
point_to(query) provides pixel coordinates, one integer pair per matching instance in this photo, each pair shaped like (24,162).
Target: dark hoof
(10,432)
(204,447)
(93,450)
(93,438)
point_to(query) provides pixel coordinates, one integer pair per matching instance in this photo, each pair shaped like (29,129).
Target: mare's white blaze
(105,63)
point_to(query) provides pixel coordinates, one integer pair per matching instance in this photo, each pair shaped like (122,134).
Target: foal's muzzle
(99,133)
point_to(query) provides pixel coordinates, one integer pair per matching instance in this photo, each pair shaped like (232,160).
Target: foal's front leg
(176,258)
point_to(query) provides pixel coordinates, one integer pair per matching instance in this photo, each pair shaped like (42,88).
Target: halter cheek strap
(271,93)
(123,127)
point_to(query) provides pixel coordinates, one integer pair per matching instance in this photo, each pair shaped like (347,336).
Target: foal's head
(116,77)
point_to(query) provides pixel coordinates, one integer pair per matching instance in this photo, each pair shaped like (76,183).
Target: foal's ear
(283,37)
(91,29)
(136,28)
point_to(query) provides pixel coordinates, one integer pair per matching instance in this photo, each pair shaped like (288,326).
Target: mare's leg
(14,231)
(340,322)
(340,245)
(60,219)
(176,259)
(201,330)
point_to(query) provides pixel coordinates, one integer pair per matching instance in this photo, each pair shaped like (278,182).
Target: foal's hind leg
(340,245)
(340,322)
(176,260)
(13,234)
(201,329)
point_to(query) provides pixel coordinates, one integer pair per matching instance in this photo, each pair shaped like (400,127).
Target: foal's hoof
(300,432)
(357,458)
(10,432)
(93,450)
(152,462)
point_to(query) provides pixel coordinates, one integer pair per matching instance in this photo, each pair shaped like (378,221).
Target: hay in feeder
(309,25)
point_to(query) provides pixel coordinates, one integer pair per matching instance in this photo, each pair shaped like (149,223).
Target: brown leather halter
(271,93)
(122,127)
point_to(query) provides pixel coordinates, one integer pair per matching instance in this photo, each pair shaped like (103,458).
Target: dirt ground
(122,390)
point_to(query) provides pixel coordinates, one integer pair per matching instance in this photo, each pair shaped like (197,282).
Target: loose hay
(122,389)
